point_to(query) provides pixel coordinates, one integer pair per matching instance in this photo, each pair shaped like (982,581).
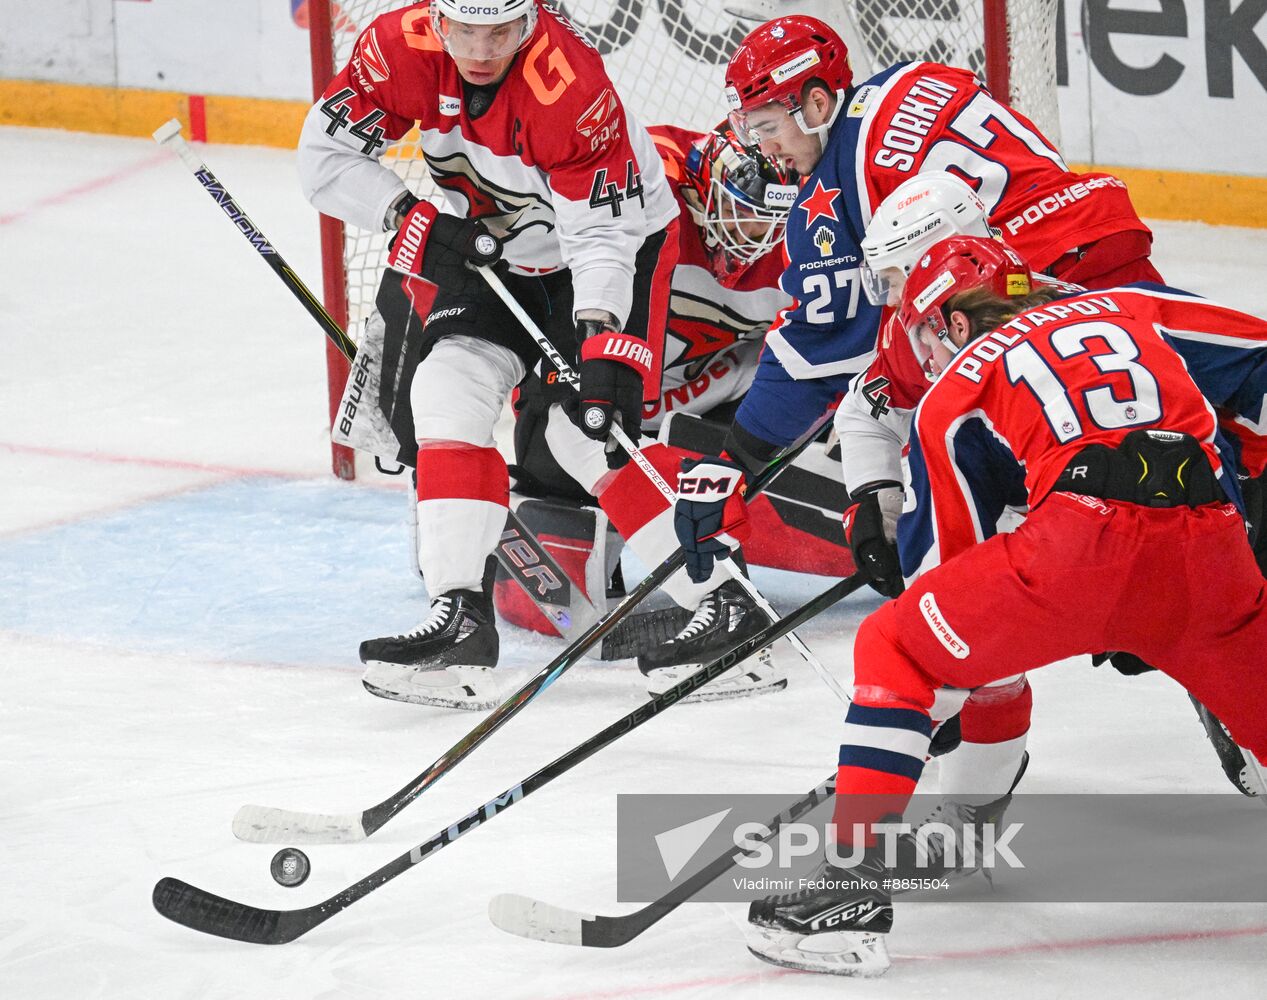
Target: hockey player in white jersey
(548,179)
(724,296)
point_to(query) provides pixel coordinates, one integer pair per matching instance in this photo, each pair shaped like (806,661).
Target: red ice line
(88,187)
(1021,949)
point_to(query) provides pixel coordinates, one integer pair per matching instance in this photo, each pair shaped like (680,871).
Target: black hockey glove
(437,246)
(871,531)
(710,516)
(613,369)
(1124,663)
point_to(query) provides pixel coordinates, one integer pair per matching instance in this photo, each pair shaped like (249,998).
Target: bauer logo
(451,107)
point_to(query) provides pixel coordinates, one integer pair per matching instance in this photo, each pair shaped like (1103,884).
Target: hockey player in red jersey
(548,179)
(1079,407)
(791,90)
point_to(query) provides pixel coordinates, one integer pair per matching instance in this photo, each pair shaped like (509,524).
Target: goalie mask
(483,30)
(919,213)
(954,266)
(739,198)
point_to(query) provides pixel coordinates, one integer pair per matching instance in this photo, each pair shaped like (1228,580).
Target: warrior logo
(824,239)
(506,213)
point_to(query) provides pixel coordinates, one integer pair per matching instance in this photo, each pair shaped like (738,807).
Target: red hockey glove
(436,246)
(613,368)
(871,531)
(711,517)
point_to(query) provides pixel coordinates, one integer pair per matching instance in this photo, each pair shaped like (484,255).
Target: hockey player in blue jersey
(791,90)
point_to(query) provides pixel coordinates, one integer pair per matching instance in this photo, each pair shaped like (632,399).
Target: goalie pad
(796,522)
(584,548)
(361,423)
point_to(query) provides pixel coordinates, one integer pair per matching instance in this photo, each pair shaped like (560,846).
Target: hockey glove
(613,368)
(436,245)
(711,517)
(1124,663)
(871,531)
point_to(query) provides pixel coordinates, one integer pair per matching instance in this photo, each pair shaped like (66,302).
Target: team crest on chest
(821,204)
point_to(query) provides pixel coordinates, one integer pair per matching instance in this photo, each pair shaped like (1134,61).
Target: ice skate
(931,856)
(725,618)
(836,924)
(446,661)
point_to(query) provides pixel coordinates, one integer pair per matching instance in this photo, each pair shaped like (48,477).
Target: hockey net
(668,59)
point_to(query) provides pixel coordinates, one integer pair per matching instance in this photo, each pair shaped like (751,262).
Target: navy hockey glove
(436,245)
(613,367)
(871,531)
(711,517)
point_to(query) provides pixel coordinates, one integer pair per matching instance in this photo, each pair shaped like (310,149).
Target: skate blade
(756,676)
(856,954)
(467,688)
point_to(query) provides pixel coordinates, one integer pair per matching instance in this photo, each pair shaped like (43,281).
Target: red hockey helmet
(777,59)
(957,264)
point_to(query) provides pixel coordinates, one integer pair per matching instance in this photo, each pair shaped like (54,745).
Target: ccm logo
(702,484)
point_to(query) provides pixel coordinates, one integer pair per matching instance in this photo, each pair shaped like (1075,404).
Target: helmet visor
(883,285)
(482,42)
(763,123)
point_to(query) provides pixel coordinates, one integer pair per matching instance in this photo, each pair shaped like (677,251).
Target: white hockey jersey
(554,165)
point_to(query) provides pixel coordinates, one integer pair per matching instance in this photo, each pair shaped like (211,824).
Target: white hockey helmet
(920,212)
(467,28)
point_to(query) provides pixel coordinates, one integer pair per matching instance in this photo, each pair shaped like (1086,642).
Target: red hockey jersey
(552,163)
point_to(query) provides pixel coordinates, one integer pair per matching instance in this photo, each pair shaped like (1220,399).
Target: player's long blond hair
(986,310)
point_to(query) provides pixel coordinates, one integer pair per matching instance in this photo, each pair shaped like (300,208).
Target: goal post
(667,59)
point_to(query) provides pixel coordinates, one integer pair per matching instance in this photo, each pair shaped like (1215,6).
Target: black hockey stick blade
(532,918)
(211,914)
(271,825)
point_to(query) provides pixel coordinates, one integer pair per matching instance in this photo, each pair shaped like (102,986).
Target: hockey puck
(290,867)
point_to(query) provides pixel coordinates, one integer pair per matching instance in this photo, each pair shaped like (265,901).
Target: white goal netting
(667,58)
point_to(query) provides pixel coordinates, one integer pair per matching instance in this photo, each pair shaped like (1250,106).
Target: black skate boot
(444,661)
(929,855)
(1242,770)
(725,618)
(836,924)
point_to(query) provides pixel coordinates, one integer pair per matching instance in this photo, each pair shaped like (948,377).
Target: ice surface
(182,588)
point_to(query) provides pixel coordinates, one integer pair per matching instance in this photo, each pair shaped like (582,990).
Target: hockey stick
(565,605)
(202,911)
(268,825)
(531,918)
(566,374)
